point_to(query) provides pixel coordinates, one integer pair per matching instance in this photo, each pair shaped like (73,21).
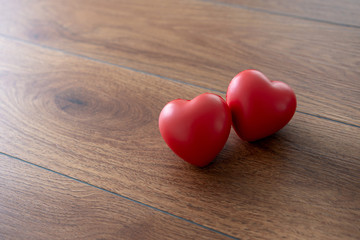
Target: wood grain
(38,204)
(202,43)
(98,123)
(344,12)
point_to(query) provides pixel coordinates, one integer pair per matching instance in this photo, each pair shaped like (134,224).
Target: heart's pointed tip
(202,165)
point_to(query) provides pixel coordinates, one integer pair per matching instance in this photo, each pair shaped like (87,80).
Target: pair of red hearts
(197,129)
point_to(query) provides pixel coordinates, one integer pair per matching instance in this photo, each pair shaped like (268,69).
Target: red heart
(196,130)
(259,107)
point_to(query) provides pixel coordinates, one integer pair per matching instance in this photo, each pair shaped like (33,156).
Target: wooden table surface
(82,84)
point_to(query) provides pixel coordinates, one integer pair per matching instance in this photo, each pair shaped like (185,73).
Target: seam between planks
(150,74)
(119,195)
(234,5)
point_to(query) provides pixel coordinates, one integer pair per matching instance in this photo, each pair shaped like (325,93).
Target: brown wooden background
(82,84)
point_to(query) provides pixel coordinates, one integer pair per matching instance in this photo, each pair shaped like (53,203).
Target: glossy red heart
(259,107)
(196,130)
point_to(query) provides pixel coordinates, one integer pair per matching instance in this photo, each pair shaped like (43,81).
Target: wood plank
(202,43)
(38,204)
(98,123)
(344,12)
